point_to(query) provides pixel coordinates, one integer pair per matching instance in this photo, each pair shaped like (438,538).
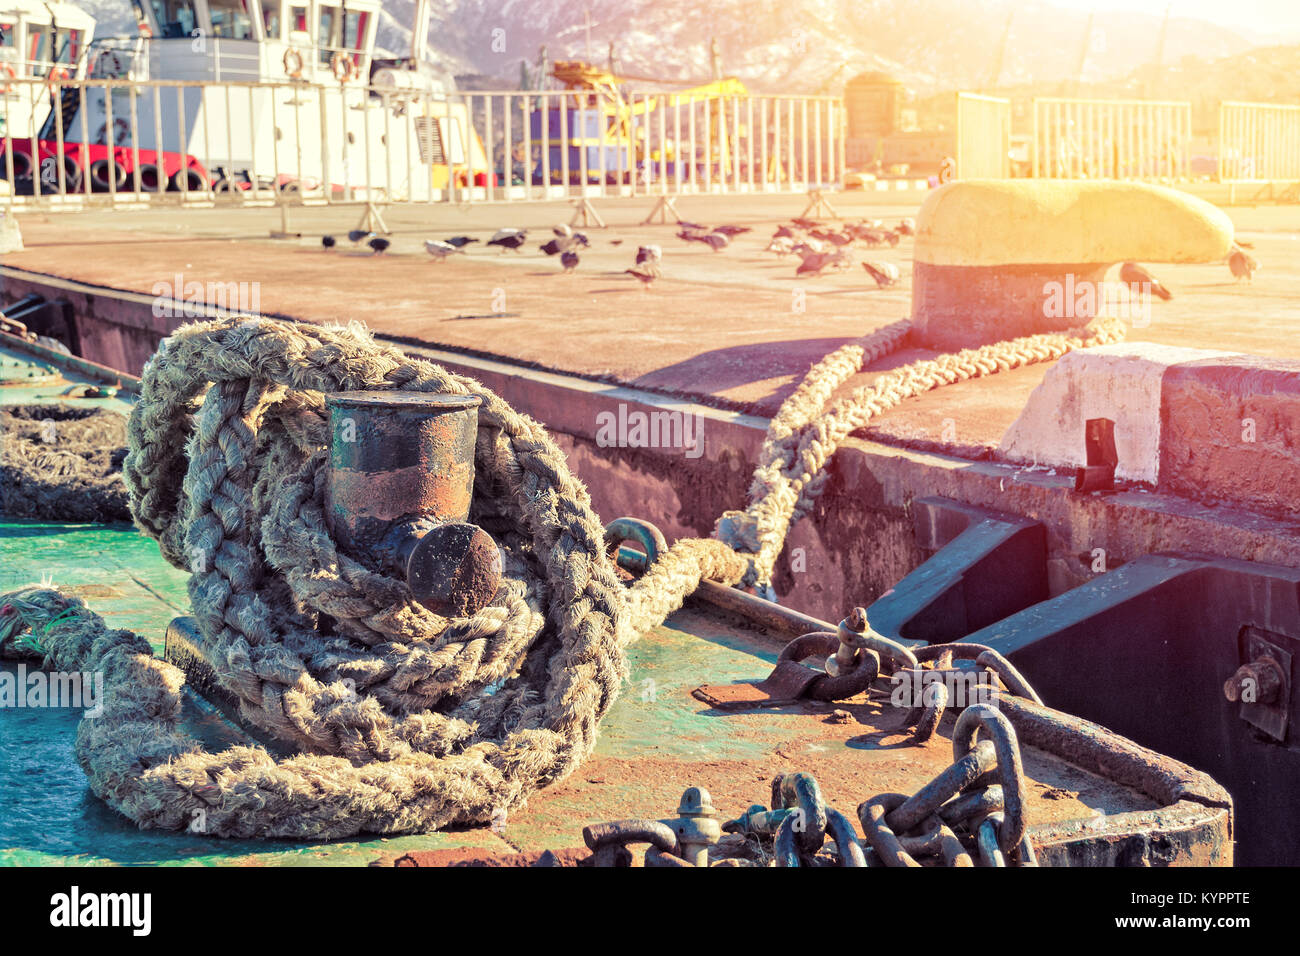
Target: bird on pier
(569,259)
(1132,274)
(717,241)
(460,242)
(1242,264)
(378,244)
(814,264)
(356,235)
(441,250)
(731,232)
(906,227)
(327,242)
(509,239)
(885,273)
(646,273)
(646,254)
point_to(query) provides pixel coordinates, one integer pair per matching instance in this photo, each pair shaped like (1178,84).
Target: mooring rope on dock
(406,721)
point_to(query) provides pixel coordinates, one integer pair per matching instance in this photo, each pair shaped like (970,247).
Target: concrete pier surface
(727,335)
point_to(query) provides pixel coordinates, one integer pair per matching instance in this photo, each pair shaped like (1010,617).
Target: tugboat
(46,44)
(231,96)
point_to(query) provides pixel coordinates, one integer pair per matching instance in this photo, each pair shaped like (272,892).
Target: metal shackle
(400,483)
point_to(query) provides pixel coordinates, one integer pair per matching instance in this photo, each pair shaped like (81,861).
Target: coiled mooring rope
(405,721)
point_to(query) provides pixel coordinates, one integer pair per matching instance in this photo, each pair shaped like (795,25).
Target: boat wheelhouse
(43,42)
(250,96)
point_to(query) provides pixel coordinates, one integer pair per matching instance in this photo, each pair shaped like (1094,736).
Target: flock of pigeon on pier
(819,247)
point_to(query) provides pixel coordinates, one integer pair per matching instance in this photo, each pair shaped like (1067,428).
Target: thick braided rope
(225,470)
(804,436)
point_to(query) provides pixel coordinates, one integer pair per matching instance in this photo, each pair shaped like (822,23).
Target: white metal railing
(104,138)
(983,136)
(1111,139)
(1259,142)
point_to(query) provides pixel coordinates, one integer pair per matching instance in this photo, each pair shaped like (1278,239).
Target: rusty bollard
(400,482)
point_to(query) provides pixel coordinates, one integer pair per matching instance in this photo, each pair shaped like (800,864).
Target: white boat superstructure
(263,94)
(43,41)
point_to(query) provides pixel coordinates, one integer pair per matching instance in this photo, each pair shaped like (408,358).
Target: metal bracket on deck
(984,566)
(41,316)
(818,205)
(1146,649)
(664,206)
(584,214)
(372,220)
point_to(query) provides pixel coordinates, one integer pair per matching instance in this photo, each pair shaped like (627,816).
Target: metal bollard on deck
(401,479)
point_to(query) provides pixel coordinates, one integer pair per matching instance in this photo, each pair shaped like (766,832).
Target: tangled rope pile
(405,721)
(62,463)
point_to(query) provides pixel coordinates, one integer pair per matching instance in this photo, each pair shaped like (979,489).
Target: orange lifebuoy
(57,76)
(343,66)
(9,71)
(292,56)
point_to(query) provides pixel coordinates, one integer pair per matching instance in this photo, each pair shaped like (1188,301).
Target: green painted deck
(656,741)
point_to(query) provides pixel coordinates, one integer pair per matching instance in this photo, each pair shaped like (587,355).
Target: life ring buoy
(293,63)
(947,170)
(343,66)
(8,70)
(56,76)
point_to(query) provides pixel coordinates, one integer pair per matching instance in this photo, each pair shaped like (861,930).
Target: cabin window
(271,19)
(7,38)
(354,31)
(299,19)
(230,19)
(328,35)
(176,18)
(38,48)
(69,46)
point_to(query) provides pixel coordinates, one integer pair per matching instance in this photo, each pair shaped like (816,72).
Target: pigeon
(554,247)
(807,246)
(460,242)
(1243,266)
(378,244)
(781,245)
(784,232)
(815,263)
(839,239)
(646,273)
(563,230)
(507,231)
(569,259)
(441,250)
(885,273)
(715,240)
(646,254)
(1132,274)
(327,242)
(731,232)
(512,239)
(356,235)
(906,227)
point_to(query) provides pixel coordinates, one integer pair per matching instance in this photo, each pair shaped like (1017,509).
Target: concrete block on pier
(1219,427)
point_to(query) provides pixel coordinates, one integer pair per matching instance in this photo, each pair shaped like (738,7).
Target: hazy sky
(1249,16)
